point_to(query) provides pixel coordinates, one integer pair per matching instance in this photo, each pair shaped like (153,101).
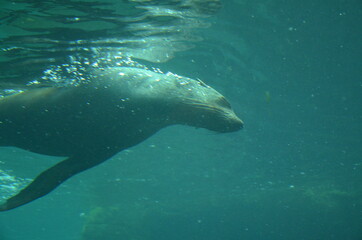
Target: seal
(90,122)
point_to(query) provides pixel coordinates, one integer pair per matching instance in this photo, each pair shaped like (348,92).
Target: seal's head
(181,100)
(202,106)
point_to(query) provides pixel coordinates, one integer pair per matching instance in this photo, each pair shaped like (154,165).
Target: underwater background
(291,70)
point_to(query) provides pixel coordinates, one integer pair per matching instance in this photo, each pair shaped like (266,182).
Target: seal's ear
(51,178)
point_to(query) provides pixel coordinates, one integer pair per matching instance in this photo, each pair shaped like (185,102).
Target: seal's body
(120,107)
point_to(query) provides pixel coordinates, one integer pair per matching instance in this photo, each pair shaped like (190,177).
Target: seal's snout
(234,123)
(237,124)
(230,121)
(222,121)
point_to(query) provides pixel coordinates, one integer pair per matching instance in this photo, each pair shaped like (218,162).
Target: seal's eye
(223,102)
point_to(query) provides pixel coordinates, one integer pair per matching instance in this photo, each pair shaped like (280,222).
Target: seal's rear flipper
(50,179)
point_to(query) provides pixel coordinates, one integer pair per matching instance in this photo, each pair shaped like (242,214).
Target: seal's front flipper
(50,179)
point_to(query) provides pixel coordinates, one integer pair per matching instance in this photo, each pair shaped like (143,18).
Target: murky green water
(290,69)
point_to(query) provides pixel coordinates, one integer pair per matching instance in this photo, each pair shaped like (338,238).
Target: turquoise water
(290,69)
